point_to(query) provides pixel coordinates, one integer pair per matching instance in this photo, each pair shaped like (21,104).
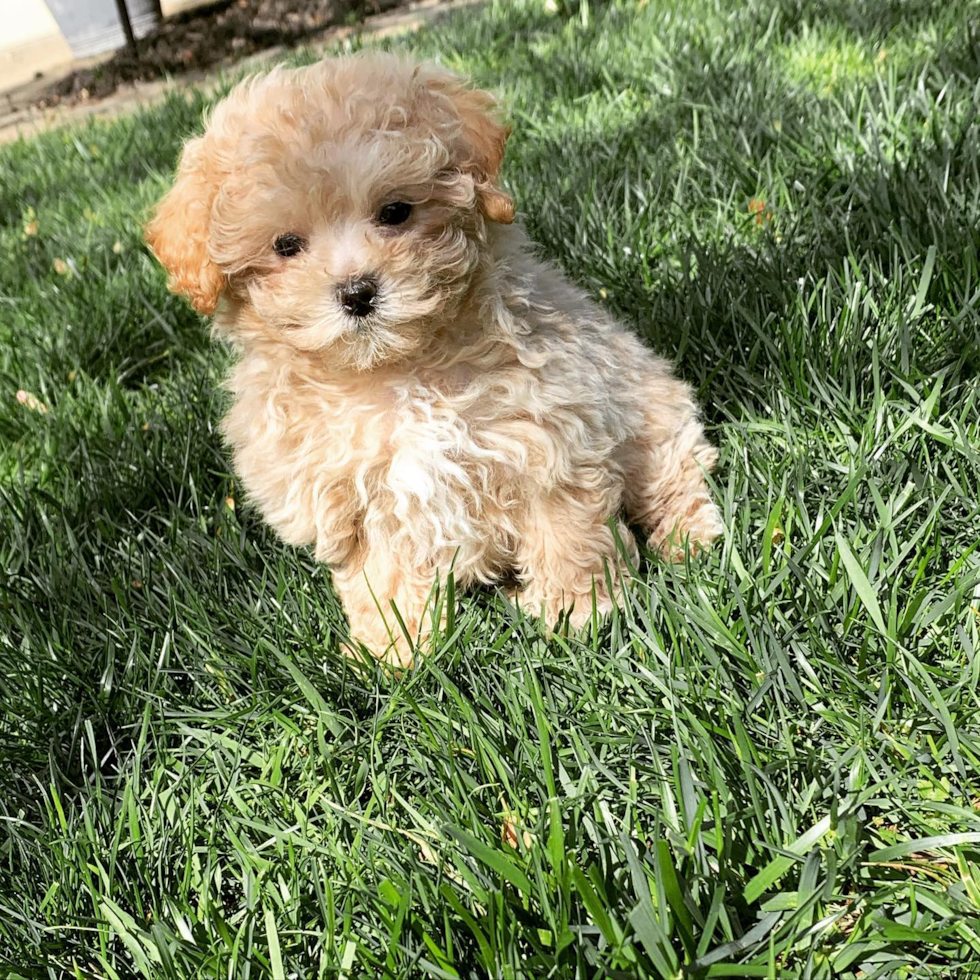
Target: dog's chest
(436,474)
(414,464)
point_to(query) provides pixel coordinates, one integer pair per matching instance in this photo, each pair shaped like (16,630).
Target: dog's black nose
(357,296)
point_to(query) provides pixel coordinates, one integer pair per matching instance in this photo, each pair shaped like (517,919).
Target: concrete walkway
(18,117)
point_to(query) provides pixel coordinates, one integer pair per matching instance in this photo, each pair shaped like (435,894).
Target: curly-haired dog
(416,392)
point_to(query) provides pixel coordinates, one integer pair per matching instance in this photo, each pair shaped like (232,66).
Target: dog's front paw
(688,533)
(577,607)
(394,649)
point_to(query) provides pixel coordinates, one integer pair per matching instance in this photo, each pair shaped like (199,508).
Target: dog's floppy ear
(480,150)
(177,234)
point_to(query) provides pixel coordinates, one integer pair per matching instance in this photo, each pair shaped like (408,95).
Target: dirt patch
(209,38)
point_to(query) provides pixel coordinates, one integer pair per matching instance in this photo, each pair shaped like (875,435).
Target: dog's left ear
(480,150)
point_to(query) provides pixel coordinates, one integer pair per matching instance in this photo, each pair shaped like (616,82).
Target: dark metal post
(126,25)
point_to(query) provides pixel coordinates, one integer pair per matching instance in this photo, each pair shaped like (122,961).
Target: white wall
(22,21)
(29,41)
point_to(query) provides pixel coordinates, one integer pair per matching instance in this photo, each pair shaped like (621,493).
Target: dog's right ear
(178,232)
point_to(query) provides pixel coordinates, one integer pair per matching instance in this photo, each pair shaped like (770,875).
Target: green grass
(766,765)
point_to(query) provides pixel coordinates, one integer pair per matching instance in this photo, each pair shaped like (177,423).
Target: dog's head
(338,208)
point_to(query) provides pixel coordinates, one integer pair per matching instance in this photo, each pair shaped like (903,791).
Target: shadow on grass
(718,276)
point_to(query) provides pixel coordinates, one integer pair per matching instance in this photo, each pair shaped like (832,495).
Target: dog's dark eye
(289,245)
(395,213)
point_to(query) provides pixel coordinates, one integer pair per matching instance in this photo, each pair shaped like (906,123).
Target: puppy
(415,392)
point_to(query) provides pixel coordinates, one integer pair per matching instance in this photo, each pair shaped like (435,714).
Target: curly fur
(488,417)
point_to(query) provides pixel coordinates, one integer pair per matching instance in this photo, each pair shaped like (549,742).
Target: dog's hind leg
(664,468)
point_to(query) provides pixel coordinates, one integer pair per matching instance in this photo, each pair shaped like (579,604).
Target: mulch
(208,38)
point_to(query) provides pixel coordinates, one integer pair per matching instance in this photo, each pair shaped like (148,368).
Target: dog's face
(339,208)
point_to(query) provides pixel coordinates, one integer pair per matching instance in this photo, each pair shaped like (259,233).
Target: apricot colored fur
(487,417)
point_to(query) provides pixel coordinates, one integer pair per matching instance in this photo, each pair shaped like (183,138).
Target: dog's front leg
(388,604)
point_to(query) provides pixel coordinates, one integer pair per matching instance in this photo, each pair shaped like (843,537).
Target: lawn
(765,765)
